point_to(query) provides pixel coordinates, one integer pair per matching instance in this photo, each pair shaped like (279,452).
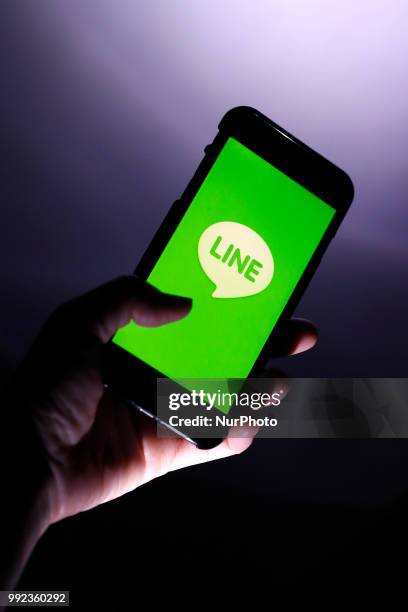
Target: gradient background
(105,108)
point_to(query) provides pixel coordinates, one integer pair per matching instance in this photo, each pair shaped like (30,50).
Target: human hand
(93,447)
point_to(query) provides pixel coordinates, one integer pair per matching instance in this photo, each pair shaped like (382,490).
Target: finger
(105,309)
(187,454)
(272,382)
(167,451)
(293,337)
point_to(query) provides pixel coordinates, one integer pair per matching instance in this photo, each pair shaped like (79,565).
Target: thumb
(129,298)
(73,333)
(104,310)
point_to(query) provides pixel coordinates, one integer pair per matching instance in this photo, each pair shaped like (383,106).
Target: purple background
(105,108)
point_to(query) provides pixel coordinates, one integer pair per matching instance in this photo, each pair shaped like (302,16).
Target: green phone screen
(238,252)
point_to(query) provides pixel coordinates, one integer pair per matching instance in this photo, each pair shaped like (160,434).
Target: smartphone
(243,242)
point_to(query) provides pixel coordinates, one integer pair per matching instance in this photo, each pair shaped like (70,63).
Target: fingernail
(282,387)
(176,299)
(168,297)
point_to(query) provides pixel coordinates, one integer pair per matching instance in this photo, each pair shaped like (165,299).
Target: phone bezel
(296,160)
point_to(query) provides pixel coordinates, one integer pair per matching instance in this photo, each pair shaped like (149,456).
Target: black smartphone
(243,242)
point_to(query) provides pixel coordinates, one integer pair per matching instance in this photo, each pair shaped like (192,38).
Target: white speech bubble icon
(236,259)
